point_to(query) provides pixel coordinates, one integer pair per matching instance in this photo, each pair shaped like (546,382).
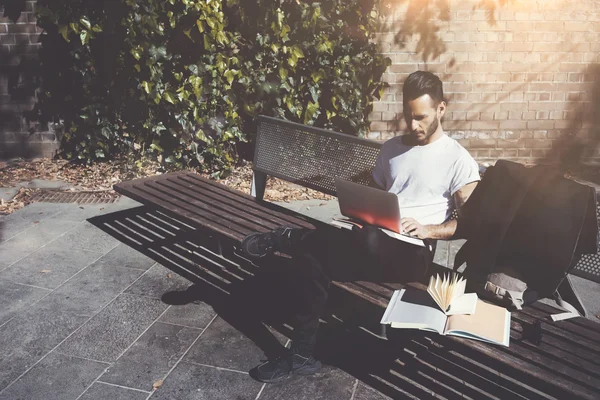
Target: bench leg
(259,183)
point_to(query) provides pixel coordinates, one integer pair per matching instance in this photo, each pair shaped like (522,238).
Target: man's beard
(430,130)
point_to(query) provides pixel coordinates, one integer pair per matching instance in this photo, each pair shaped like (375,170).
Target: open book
(449,294)
(416,309)
(347,223)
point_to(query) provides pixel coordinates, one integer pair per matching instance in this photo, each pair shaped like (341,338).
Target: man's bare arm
(443,231)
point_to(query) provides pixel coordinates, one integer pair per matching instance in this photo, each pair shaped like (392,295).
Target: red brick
(486,116)
(458,116)
(543,97)
(466,143)
(549,26)
(540,153)
(518,106)
(541,115)
(389,116)
(540,134)
(458,87)
(508,125)
(502,115)
(457,125)
(509,144)
(8,39)
(496,153)
(538,143)
(516,67)
(379,126)
(3,28)
(518,47)
(483,154)
(511,153)
(21,28)
(563,124)
(524,153)
(399,68)
(516,96)
(540,124)
(492,125)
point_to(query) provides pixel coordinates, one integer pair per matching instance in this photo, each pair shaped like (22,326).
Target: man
(429,172)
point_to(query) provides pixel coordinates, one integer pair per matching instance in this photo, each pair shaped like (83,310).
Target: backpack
(526,228)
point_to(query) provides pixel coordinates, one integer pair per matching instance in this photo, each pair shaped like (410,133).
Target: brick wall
(18,65)
(525,86)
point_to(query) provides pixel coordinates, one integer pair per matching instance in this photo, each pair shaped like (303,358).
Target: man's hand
(412,227)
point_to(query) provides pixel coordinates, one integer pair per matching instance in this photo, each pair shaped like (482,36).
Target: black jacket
(530,218)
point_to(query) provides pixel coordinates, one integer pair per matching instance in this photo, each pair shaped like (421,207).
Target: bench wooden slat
(247,201)
(146,195)
(207,205)
(560,330)
(159,192)
(582,325)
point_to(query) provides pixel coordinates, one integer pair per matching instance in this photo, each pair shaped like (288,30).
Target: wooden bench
(564,365)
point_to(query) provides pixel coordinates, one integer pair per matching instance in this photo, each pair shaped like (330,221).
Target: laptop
(372,206)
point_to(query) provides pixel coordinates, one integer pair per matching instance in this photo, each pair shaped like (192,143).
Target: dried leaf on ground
(100,177)
(157,384)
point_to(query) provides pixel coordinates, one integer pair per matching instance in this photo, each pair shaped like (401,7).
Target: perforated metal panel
(589,265)
(311,156)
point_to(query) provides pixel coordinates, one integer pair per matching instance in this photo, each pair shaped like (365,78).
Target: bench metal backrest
(309,156)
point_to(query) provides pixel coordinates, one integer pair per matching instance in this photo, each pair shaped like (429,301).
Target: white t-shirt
(425,177)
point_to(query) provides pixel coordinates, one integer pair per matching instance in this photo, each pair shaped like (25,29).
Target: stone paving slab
(74,375)
(103,391)
(26,242)
(125,256)
(30,335)
(15,297)
(158,281)
(151,357)
(194,315)
(86,236)
(49,267)
(223,346)
(197,382)
(27,217)
(94,287)
(110,332)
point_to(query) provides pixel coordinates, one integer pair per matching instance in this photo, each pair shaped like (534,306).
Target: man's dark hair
(420,83)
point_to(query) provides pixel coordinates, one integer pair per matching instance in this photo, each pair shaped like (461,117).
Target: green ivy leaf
(311,110)
(64,32)
(84,37)
(297,51)
(230,75)
(168,97)
(86,23)
(283,73)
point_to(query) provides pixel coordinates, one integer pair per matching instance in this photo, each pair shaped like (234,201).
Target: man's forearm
(443,231)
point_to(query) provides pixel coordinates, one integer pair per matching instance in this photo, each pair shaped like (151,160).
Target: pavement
(88,317)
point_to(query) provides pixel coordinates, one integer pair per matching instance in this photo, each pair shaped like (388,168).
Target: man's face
(423,118)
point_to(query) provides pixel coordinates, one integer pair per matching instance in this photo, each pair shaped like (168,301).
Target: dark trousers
(323,255)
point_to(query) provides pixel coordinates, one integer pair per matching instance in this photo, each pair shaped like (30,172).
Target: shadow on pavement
(248,296)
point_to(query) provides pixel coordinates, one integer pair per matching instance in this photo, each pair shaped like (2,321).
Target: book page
(412,308)
(465,304)
(490,323)
(404,238)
